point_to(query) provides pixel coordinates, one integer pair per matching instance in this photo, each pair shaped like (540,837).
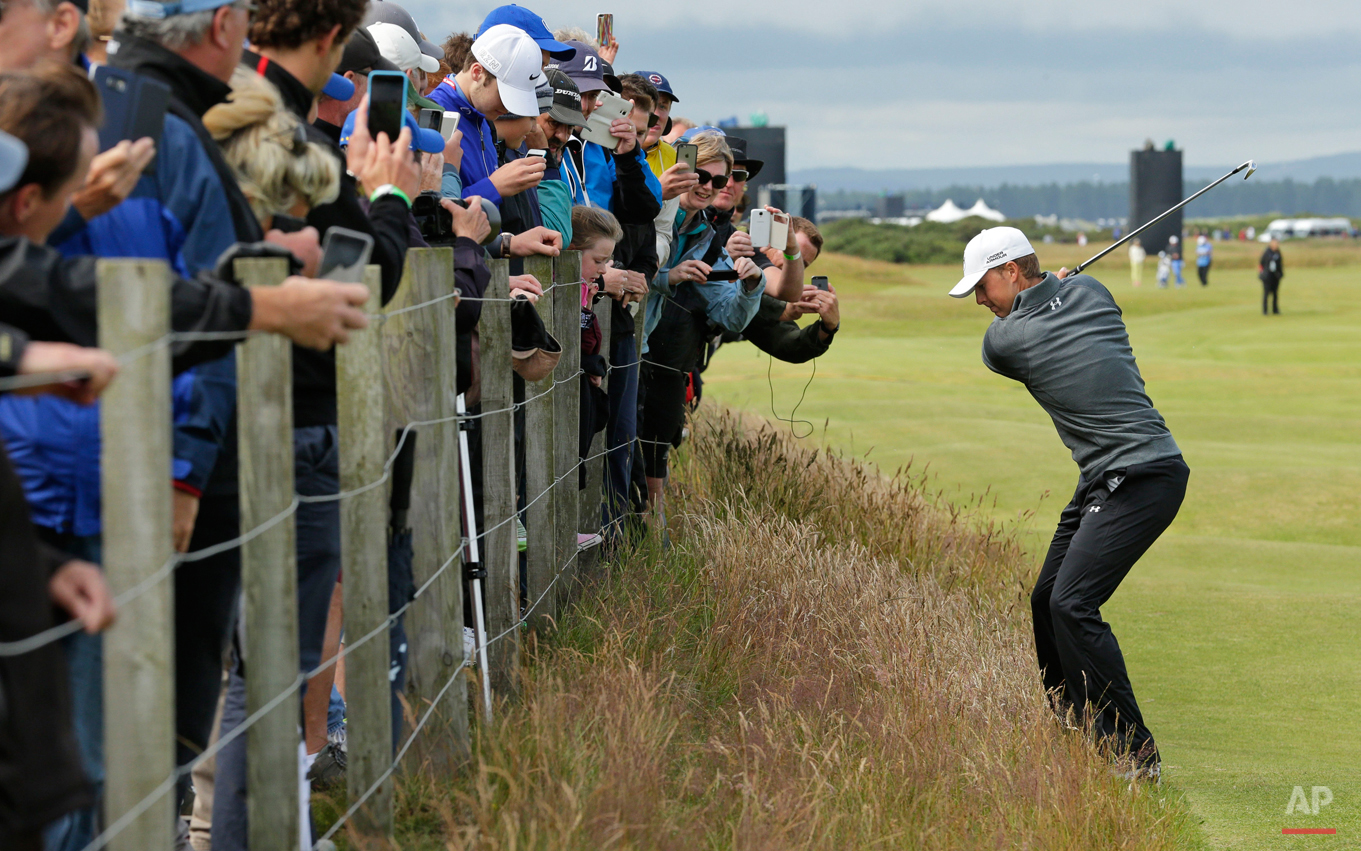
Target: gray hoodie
(1065,341)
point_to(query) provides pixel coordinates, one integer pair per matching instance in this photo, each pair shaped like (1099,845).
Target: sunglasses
(652,120)
(719,180)
(739,175)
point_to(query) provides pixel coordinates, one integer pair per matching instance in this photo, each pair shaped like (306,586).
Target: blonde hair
(712,148)
(266,146)
(592,223)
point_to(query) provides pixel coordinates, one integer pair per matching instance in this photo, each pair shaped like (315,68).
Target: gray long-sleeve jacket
(1066,342)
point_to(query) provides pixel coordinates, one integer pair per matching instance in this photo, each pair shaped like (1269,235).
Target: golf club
(470,518)
(1250,166)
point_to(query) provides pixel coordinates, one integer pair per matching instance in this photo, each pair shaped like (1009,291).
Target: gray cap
(13,160)
(387,12)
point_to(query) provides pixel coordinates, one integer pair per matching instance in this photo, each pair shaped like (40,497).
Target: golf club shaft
(479,609)
(1127,237)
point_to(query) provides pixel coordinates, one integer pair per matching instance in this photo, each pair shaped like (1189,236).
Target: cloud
(983,82)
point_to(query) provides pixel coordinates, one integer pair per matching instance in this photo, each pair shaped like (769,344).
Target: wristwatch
(830,332)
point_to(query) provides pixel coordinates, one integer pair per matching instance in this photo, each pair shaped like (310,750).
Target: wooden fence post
(419,367)
(541,519)
(567,414)
(364,562)
(269,575)
(500,555)
(593,498)
(139,695)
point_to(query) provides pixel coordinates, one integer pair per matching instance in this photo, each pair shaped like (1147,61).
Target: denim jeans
(85,667)
(316,472)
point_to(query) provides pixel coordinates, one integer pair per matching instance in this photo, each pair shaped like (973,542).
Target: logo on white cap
(516,61)
(991,248)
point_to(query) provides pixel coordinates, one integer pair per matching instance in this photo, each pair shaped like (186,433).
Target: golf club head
(1251,166)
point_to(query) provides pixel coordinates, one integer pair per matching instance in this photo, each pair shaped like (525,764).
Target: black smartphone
(688,154)
(431,119)
(286,223)
(820,281)
(134,106)
(344,254)
(387,100)
(722,275)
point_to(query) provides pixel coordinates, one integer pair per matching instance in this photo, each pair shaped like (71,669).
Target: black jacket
(783,339)
(314,373)
(54,298)
(40,774)
(1272,267)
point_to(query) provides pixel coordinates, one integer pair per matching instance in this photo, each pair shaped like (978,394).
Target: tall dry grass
(823,659)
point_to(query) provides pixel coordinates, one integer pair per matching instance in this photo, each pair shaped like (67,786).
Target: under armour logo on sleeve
(1055,304)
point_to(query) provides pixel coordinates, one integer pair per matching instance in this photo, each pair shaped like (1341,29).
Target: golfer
(1064,339)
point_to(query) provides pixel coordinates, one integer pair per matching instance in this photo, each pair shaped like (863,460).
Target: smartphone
(820,281)
(779,230)
(430,119)
(689,154)
(287,224)
(722,275)
(387,100)
(604,30)
(759,227)
(609,108)
(134,106)
(448,124)
(537,152)
(344,254)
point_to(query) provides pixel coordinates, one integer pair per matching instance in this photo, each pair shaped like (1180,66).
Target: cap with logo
(523,19)
(516,62)
(663,85)
(533,351)
(738,145)
(387,12)
(587,69)
(991,248)
(422,139)
(13,161)
(560,100)
(400,49)
(362,55)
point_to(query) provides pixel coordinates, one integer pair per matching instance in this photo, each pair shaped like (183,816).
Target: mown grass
(824,658)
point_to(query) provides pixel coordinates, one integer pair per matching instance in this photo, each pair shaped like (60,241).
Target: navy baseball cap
(587,69)
(422,139)
(13,161)
(523,19)
(663,85)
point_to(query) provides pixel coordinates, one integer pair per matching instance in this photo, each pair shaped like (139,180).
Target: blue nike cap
(533,25)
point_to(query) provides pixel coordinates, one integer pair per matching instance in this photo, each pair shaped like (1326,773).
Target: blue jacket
(479,142)
(177,213)
(601,175)
(727,303)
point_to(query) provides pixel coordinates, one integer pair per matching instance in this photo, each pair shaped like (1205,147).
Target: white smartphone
(779,230)
(609,108)
(759,227)
(448,124)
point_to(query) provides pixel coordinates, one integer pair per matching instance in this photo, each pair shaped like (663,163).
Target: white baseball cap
(399,48)
(516,61)
(991,248)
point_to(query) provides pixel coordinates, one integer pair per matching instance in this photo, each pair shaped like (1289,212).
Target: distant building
(1155,185)
(890,207)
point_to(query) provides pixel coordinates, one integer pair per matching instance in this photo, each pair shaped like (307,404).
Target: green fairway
(1242,626)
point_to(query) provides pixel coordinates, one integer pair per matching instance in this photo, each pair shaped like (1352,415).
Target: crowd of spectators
(264,149)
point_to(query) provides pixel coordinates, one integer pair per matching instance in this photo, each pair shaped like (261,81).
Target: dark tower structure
(1154,185)
(767,145)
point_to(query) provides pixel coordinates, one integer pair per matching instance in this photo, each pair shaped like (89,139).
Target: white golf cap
(398,47)
(990,249)
(516,61)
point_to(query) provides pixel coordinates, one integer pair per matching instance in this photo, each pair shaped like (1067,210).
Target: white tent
(947,212)
(984,211)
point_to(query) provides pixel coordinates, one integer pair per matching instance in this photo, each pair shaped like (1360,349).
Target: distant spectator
(1270,270)
(1175,260)
(1204,255)
(1136,262)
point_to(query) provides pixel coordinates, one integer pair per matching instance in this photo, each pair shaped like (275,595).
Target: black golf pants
(1101,534)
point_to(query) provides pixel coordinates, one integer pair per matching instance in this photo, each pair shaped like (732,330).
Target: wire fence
(554,510)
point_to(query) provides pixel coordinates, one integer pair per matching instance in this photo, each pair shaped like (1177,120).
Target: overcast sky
(985,82)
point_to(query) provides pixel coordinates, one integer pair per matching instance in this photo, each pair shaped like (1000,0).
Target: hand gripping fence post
(364,565)
(134,311)
(541,517)
(419,368)
(269,576)
(500,555)
(567,412)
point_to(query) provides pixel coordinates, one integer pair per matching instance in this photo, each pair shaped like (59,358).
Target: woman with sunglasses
(689,297)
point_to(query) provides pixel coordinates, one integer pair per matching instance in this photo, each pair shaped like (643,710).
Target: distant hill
(1336,166)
